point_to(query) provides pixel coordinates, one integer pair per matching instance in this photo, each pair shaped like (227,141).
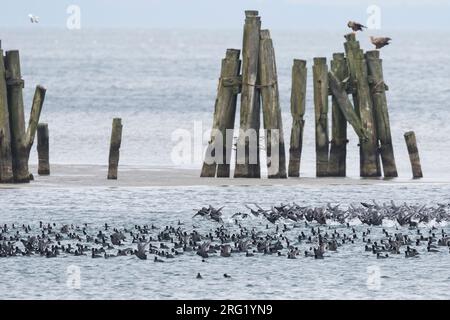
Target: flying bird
(33,18)
(380,42)
(355,26)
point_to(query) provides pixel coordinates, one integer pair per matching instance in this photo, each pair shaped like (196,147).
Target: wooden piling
(247,159)
(320,78)
(233,83)
(16,116)
(6,168)
(43,149)
(273,124)
(224,115)
(381,114)
(21,140)
(338,148)
(413,151)
(339,93)
(114,149)
(298,93)
(369,158)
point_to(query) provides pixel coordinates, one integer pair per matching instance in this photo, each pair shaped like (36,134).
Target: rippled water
(339,275)
(160,81)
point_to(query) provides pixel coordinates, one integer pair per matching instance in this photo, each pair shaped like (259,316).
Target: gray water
(340,275)
(160,81)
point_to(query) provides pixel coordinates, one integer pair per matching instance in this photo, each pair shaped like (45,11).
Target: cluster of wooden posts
(15,138)
(353,73)
(258,87)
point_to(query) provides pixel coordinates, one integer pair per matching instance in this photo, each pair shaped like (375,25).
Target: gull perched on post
(33,18)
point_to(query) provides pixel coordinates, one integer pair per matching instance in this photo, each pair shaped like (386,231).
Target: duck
(94,254)
(411,253)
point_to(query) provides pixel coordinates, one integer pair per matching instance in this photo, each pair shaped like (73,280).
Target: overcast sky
(226,14)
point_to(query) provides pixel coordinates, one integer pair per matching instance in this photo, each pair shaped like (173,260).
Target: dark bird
(94,254)
(199,276)
(380,42)
(203,250)
(225,250)
(355,26)
(430,249)
(140,252)
(226,275)
(379,256)
(116,238)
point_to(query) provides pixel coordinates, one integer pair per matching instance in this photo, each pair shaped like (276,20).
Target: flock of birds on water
(291,231)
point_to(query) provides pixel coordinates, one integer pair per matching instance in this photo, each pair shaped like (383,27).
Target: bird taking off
(380,42)
(33,18)
(355,26)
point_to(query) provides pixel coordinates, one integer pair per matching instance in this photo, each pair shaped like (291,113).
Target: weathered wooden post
(21,140)
(268,83)
(338,149)
(369,158)
(6,169)
(233,83)
(16,115)
(224,115)
(339,93)
(247,150)
(298,94)
(378,91)
(320,78)
(413,151)
(43,149)
(114,149)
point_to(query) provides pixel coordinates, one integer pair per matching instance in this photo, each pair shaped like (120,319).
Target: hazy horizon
(203,14)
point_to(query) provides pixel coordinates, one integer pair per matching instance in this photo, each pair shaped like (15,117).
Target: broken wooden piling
(369,158)
(21,140)
(273,125)
(43,149)
(114,149)
(233,83)
(320,79)
(298,94)
(338,148)
(339,93)
(16,139)
(6,168)
(381,114)
(247,148)
(16,115)
(218,152)
(413,151)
